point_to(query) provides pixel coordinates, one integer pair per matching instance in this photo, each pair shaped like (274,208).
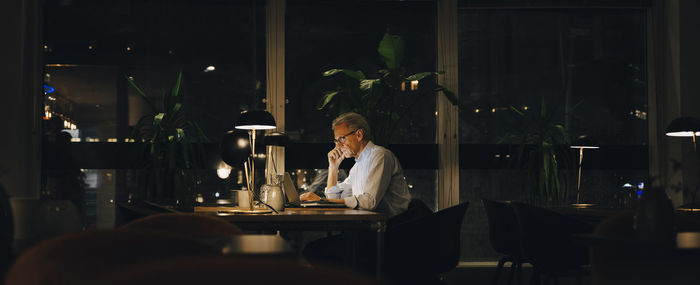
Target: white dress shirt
(376,182)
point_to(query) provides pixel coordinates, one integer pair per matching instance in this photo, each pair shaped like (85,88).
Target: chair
(504,238)
(71,258)
(420,250)
(185,224)
(6,231)
(227,270)
(546,240)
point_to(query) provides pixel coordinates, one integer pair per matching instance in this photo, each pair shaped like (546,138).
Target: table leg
(381,230)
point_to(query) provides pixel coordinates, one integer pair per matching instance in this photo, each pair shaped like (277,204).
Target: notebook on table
(290,190)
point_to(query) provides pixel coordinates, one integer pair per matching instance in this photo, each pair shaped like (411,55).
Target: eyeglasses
(341,139)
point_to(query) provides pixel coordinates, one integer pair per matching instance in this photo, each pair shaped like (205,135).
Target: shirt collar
(365,151)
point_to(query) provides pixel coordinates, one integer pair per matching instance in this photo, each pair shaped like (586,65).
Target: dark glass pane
(91,48)
(587,64)
(323,35)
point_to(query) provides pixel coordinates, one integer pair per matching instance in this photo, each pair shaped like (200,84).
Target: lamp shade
(584,142)
(683,127)
(276,139)
(255,120)
(235,148)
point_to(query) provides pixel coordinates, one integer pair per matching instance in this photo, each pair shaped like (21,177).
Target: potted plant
(385,100)
(543,148)
(173,150)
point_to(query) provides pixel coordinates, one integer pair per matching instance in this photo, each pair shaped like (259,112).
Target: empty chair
(71,258)
(227,270)
(6,232)
(504,237)
(546,240)
(185,224)
(420,250)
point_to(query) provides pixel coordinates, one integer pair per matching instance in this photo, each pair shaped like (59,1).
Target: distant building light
(75,140)
(477,110)
(210,68)
(414,85)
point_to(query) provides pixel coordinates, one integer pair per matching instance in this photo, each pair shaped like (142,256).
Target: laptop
(290,190)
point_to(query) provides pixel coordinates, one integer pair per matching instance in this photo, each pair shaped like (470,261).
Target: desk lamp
(685,127)
(271,140)
(253,121)
(583,142)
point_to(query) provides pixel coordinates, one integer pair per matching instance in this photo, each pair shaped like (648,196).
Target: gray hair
(353,121)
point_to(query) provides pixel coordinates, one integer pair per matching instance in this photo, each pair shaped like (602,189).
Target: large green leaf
(368,84)
(176,88)
(391,51)
(143,95)
(420,76)
(327,98)
(351,73)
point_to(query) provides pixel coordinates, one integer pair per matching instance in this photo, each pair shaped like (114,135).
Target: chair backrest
(546,238)
(230,270)
(430,243)
(6,230)
(185,224)
(73,257)
(503,227)
(416,209)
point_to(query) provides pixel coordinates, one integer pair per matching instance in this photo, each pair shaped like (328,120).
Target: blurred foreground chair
(626,261)
(71,258)
(546,240)
(185,224)
(6,232)
(420,250)
(504,236)
(227,270)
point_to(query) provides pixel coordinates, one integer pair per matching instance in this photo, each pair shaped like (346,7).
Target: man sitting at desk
(376,181)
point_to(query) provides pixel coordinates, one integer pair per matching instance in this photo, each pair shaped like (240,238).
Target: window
(587,64)
(91,48)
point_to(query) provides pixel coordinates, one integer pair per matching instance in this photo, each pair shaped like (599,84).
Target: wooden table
(252,245)
(310,219)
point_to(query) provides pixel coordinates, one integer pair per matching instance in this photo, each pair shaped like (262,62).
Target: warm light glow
(242,143)
(525,108)
(112,140)
(255,127)
(682,134)
(493,110)
(585,146)
(414,85)
(210,68)
(477,110)
(223,173)
(75,140)
(128,48)
(403,86)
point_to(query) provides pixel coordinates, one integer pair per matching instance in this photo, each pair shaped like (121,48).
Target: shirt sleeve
(340,190)
(378,179)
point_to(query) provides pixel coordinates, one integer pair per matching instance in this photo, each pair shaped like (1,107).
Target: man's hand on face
(335,157)
(309,196)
